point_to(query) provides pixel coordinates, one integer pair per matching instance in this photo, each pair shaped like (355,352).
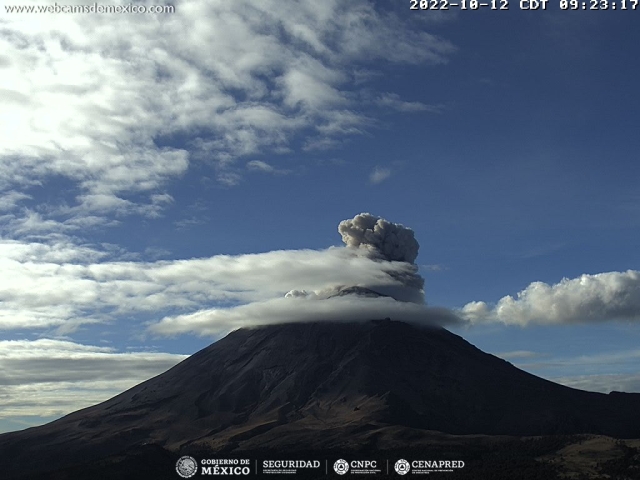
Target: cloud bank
(602,371)
(213,322)
(53,377)
(587,299)
(604,383)
(61,287)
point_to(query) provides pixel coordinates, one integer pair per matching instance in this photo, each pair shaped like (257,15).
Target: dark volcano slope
(299,385)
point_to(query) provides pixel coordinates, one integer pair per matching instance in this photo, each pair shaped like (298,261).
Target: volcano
(318,387)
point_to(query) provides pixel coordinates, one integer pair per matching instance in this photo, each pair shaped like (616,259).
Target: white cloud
(516,354)
(606,383)
(59,252)
(587,299)
(52,377)
(64,286)
(379,175)
(215,321)
(260,165)
(601,361)
(597,372)
(321,143)
(394,102)
(32,223)
(10,200)
(94,100)
(264,167)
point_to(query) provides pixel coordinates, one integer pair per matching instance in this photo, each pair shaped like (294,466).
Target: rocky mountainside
(318,386)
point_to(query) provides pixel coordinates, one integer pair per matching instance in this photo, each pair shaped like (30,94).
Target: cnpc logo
(341,466)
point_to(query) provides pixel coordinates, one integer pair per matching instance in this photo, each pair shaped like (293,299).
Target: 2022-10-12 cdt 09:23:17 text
(621,5)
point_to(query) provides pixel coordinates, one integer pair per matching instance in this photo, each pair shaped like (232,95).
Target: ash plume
(384,239)
(391,242)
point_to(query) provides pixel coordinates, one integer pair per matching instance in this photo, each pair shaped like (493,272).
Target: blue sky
(188,168)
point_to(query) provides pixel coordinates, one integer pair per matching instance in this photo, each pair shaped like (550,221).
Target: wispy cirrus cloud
(10,200)
(264,167)
(379,175)
(394,102)
(518,354)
